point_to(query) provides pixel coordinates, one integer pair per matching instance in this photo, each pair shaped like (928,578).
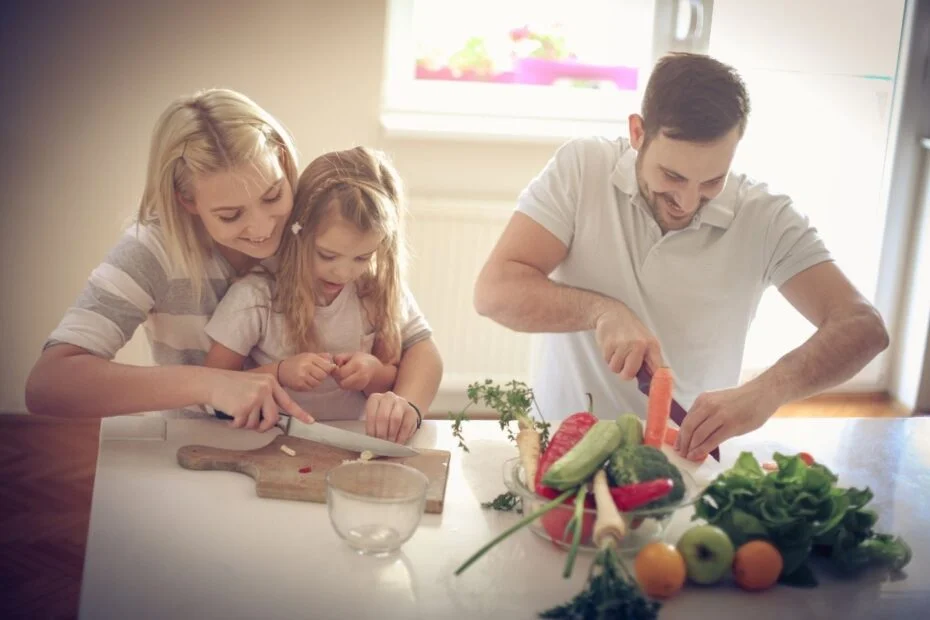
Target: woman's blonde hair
(211,131)
(362,186)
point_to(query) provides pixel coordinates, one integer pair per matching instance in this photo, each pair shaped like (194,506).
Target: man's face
(677,178)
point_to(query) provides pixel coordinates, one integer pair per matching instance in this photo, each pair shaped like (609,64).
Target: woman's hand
(252,399)
(389,416)
(305,371)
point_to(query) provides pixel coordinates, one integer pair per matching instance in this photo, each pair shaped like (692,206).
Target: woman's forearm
(419,374)
(68,381)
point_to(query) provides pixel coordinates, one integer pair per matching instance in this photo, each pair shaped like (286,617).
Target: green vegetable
(799,509)
(505,502)
(578,464)
(611,593)
(631,428)
(513,402)
(555,503)
(629,465)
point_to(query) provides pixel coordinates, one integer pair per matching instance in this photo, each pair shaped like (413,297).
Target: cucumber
(578,464)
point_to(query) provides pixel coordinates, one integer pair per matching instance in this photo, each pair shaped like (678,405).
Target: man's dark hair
(695,98)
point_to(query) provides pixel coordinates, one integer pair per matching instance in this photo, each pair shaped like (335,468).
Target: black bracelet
(419,415)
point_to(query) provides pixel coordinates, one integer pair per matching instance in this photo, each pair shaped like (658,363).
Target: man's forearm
(521,298)
(839,349)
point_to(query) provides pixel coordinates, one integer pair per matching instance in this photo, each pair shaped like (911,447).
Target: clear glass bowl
(643,526)
(375,506)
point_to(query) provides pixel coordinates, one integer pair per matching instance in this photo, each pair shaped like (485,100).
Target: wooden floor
(46,480)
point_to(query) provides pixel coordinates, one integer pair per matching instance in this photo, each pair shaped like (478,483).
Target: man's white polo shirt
(696,289)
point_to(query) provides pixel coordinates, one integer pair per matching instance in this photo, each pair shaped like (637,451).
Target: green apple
(708,553)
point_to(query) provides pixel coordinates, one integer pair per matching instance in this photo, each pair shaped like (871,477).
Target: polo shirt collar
(719,212)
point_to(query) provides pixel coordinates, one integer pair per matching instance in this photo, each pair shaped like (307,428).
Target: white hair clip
(296,228)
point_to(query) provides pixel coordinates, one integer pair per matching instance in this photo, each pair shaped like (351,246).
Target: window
(530,68)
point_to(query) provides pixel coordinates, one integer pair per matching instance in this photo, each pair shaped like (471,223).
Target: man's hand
(626,343)
(354,371)
(719,415)
(305,371)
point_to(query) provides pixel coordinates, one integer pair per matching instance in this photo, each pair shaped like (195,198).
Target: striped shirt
(138,284)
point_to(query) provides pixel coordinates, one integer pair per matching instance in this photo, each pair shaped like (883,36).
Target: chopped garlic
(288,451)
(367,455)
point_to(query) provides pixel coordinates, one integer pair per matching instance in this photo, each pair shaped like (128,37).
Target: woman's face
(245,208)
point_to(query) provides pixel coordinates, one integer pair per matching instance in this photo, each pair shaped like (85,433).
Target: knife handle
(283,420)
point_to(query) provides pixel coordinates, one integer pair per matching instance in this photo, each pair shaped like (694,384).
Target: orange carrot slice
(660,405)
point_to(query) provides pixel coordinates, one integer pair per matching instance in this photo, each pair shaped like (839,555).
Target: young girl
(334,323)
(217,198)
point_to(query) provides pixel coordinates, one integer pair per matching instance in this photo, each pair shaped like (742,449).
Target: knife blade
(677,413)
(333,436)
(341,438)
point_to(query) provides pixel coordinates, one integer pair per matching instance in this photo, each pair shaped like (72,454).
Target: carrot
(660,405)
(671,435)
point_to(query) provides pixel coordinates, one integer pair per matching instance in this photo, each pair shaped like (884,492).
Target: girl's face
(244,209)
(342,253)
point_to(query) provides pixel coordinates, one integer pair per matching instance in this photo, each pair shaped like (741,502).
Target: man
(649,250)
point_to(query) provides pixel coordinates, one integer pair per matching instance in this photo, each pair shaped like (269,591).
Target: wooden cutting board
(278,475)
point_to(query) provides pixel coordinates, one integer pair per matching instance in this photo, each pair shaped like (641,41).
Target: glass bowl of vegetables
(646,521)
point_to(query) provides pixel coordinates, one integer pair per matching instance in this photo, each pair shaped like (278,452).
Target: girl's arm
(382,380)
(220,356)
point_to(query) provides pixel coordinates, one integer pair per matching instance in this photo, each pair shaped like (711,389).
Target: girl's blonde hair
(362,186)
(211,131)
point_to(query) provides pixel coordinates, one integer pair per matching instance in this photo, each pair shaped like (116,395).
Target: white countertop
(166,542)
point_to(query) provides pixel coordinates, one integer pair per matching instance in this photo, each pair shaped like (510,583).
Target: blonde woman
(218,194)
(335,324)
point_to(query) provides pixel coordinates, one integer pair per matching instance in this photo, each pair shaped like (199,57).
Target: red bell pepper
(570,432)
(632,496)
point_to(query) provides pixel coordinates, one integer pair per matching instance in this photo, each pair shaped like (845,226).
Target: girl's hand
(305,371)
(354,371)
(252,399)
(389,416)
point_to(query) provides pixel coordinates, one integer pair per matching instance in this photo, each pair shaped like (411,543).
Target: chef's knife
(336,437)
(644,378)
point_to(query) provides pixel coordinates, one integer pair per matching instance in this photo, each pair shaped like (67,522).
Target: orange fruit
(660,569)
(757,565)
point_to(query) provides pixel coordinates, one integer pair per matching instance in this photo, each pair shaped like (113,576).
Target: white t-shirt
(696,289)
(244,323)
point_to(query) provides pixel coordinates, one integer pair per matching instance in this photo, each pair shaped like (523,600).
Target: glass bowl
(643,525)
(375,506)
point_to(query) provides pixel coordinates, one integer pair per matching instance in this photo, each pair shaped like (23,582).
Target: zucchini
(578,464)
